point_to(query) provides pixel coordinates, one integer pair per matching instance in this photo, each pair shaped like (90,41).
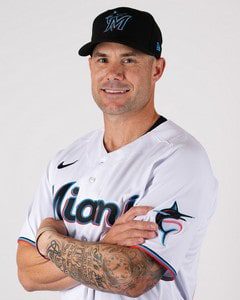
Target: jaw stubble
(117,106)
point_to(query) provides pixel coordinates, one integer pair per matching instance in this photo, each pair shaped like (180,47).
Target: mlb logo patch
(158,47)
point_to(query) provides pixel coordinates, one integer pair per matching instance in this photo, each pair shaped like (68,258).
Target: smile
(118,92)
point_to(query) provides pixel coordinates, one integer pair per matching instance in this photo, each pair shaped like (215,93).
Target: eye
(102,60)
(128,60)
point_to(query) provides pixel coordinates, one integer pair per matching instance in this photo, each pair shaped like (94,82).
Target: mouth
(115,91)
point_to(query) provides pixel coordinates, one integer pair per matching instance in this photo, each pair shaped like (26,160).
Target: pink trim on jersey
(160,261)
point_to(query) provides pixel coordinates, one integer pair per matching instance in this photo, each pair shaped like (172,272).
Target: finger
(134,212)
(134,233)
(120,237)
(142,225)
(135,224)
(131,242)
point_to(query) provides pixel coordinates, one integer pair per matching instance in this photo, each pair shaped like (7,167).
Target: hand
(52,227)
(129,232)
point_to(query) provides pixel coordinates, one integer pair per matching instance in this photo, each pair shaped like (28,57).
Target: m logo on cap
(116,21)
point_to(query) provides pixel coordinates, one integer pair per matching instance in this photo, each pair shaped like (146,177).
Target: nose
(115,72)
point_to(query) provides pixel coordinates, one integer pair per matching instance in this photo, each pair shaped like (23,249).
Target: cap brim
(88,48)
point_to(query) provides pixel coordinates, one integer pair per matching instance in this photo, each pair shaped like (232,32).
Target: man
(122,211)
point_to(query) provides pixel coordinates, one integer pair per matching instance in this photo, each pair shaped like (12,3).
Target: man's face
(123,78)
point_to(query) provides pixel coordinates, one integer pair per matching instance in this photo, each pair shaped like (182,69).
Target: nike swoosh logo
(61,165)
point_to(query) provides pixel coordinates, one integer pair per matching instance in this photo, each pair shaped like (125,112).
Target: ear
(90,62)
(158,68)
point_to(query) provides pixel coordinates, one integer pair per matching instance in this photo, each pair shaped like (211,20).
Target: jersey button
(103,160)
(92,179)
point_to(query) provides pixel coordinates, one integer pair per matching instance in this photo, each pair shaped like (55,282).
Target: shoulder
(185,167)
(184,158)
(181,145)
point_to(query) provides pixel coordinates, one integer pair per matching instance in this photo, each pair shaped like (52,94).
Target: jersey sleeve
(40,208)
(183,193)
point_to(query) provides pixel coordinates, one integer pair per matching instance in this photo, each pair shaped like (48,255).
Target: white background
(46,104)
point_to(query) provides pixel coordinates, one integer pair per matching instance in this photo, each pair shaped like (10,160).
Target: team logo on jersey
(168,220)
(117,21)
(67,207)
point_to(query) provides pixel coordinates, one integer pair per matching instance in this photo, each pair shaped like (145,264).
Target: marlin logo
(116,21)
(166,220)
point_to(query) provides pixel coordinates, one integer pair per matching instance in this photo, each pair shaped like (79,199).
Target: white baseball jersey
(166,168)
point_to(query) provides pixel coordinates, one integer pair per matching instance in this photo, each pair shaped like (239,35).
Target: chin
(114,109)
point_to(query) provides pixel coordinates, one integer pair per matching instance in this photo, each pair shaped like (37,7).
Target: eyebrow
(101,54)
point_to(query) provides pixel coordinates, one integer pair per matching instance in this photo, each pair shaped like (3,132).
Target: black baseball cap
(134,28)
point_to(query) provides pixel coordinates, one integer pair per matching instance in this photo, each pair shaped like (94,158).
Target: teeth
(115,92)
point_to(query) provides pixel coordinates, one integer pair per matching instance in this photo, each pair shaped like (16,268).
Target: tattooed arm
(36,273)
(105,267)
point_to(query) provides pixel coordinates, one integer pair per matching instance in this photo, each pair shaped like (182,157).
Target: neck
(123,129)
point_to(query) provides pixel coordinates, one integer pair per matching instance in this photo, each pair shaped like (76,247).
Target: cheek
(94,81)
(141,72)
(97,77)
(140,80)
(133,76)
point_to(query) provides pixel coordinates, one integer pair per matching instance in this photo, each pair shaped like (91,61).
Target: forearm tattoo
(105,267)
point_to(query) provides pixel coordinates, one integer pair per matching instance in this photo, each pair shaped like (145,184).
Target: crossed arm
(107,266)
